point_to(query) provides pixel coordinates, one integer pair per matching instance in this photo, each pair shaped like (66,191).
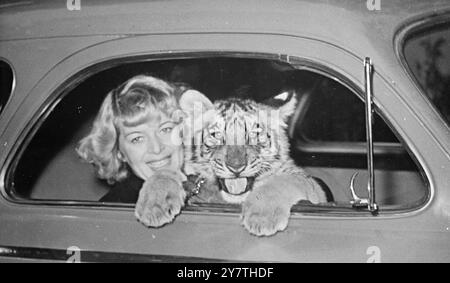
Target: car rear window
(427,53)
(6,83)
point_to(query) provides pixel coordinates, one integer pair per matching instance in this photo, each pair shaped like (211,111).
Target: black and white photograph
(225,137)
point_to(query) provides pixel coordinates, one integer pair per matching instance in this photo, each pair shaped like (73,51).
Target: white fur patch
(234,199)
(282,96)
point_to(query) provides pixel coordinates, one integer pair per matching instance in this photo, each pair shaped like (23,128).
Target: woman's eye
(166,130)
(138,139)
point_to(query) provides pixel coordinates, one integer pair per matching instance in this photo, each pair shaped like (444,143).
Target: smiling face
(152,145)
(147,121)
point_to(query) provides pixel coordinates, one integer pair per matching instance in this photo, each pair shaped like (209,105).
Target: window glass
(335,114)
(427,54)
(49,168)
(6,83)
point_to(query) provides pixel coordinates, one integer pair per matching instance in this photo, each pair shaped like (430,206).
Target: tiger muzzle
(236,162)
(236,158)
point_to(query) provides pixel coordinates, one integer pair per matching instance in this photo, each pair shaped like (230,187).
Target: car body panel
(47,56)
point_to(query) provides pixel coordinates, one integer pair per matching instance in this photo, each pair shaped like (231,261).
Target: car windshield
(427,54)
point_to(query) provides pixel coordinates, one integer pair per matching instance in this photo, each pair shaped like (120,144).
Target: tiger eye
(262,138)
(216,135)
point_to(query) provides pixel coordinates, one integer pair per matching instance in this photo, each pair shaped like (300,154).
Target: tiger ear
(199,111)
(191,100)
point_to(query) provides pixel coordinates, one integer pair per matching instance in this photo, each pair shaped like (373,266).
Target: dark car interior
(6,83)
(327,132)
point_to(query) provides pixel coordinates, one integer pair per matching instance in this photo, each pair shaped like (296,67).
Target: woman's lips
(159,163)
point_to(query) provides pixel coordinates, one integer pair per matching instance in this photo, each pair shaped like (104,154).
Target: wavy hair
(135,101)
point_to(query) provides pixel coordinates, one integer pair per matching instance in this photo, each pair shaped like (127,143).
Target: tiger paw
(262,219)
(160,200)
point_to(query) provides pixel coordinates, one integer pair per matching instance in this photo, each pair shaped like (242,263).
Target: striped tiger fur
(241,147)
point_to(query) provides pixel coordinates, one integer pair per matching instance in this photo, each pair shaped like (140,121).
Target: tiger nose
(236,170)
(236,159)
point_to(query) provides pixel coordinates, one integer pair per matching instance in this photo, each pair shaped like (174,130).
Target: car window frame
(404,33)
(297,62)
(13,85)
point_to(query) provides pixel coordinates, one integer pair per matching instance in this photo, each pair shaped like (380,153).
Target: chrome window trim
(13,84)
(47,107)
(380,148)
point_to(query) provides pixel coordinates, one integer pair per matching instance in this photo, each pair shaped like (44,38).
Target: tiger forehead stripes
(244,121)
(238,119)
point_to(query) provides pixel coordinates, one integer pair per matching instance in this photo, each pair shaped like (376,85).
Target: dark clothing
(125,191)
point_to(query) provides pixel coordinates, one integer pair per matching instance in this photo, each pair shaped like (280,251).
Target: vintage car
(372,80)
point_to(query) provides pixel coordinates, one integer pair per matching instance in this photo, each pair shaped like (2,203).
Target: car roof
(333,21)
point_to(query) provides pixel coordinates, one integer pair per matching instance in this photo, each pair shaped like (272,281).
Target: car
(372,122)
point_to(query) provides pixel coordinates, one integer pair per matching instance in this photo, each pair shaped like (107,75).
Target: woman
(135,143)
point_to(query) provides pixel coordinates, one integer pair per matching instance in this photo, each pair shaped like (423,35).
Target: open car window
(328,111)
(333,114)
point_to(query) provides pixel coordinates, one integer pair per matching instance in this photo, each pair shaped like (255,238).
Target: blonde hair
(141,97)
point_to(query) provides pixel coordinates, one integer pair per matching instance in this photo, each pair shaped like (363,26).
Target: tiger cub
(241,147)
